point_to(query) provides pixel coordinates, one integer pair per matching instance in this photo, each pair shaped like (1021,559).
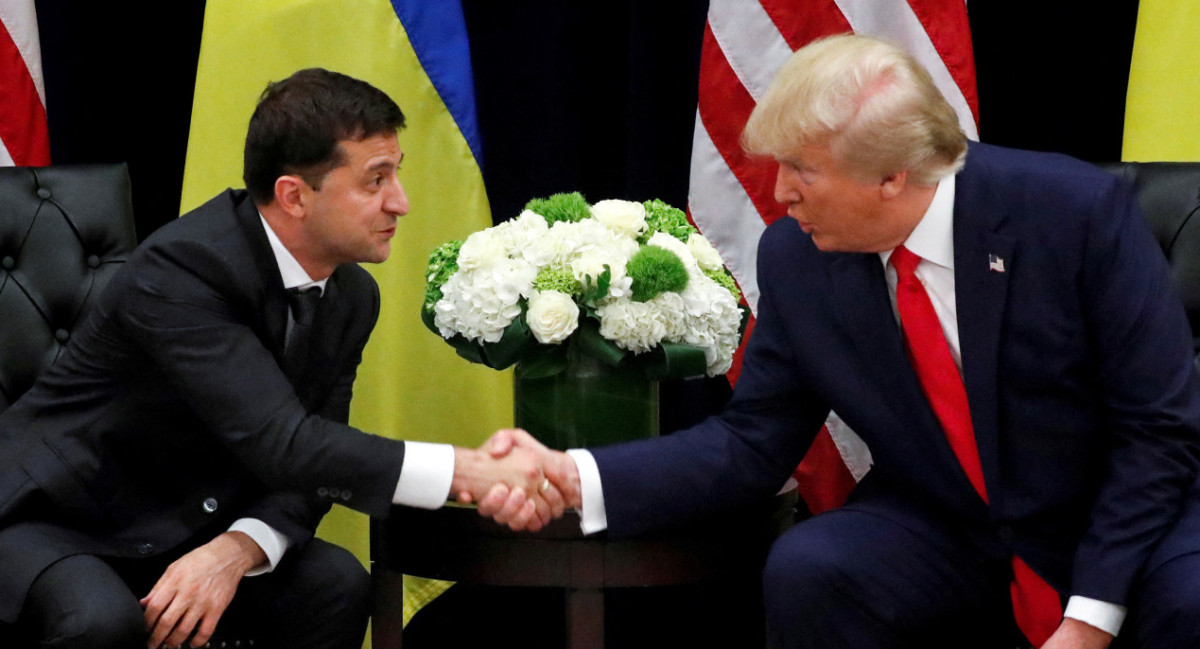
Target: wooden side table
(456,544)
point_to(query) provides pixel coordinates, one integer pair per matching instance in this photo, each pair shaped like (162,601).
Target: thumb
(501,443)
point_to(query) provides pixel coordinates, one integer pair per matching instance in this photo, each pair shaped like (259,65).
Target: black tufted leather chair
(1169,195)
(64,231)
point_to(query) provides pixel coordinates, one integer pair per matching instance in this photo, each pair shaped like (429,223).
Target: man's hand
(194,592)
(506,505)
(1073,634)
(477,473)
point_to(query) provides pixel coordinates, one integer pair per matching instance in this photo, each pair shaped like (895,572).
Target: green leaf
(590,342)
(595,292)
(543,362)
(515,342)
(673,361)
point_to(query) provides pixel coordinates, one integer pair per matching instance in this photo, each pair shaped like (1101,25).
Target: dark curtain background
(594,97)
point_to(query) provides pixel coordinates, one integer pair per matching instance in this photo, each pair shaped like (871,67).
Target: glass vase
(587,404)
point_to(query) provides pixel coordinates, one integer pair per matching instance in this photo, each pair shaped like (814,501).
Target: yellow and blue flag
(411,385)
(1164,98)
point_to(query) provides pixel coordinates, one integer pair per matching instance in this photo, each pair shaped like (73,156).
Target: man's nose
(786,187)
(396,201)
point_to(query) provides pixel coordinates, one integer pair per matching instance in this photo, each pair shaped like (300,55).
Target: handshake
(516,480)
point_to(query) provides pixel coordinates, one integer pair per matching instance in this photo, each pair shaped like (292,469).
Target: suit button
(322,492)
(209,505)
(93,262)
(8,263)
(43,192)
(335,493)
(346,494)
(145,548)
(62,336)
(1005,534)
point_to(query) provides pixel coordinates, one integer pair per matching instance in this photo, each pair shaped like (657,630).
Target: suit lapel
(862,303)
(274,306)
(983,262)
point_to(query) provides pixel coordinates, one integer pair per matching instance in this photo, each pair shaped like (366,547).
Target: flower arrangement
(627,283)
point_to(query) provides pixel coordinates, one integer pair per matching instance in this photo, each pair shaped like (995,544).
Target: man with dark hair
(194,431)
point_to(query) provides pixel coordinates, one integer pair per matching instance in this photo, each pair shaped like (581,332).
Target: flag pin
(996,263)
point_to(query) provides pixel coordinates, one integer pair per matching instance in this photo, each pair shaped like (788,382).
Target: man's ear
(893,184)
(291,192)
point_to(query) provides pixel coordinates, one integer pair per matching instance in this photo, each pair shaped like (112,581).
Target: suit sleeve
(294,514)
(1148,380)
(191,325)
(745,453)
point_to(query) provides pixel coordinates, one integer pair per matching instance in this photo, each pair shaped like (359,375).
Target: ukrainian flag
(411,385)
(1163,103)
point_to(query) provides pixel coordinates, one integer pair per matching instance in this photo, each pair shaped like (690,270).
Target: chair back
(64,231)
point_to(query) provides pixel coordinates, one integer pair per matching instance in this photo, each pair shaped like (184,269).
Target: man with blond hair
(1000,328)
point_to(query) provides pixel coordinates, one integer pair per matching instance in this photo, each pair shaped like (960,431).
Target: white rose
(704,252)
(552,316)
(624,217)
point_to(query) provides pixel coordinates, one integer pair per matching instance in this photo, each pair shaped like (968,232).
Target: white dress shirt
(425,475)
(933,241)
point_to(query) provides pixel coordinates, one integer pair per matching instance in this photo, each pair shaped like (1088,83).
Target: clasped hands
(516,480)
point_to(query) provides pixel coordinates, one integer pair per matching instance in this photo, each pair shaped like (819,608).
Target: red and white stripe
(731,198)
(24,139)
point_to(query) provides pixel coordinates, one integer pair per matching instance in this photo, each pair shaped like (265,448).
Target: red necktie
(1036,605)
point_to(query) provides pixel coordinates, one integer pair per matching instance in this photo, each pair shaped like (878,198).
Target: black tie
(304,303)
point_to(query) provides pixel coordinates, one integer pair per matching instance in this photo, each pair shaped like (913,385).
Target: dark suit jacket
(1076,359)
(170,401)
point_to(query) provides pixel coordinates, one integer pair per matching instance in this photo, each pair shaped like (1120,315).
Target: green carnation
(557,279)
(571,208)
(661,217)
(654,271)
(724,279)
(443,263)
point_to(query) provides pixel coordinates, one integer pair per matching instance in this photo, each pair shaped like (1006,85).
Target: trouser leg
(851,579)
(80,602)
(318,597)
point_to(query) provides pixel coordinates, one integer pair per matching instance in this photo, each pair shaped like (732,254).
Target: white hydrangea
(706,255)
(481,303)
(552,316)
(622,217)
(481,249)
(631,325)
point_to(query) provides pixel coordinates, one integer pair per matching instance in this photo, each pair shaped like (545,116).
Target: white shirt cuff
(591,515)
(273,543)
(1102,615)
(425,476)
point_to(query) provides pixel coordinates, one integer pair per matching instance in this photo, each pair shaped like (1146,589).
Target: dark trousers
(873,577)
(317,597)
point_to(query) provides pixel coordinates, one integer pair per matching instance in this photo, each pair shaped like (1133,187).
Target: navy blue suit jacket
(1077,361)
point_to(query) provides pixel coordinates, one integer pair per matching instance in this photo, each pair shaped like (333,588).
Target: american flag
(731,199)
(24,140)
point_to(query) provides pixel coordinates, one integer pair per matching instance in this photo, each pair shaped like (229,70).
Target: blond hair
(869,101)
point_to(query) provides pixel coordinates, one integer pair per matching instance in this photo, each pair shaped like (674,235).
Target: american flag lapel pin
(996,263)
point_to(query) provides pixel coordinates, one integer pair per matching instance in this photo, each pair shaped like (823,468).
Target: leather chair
(64,232)
(1169,195)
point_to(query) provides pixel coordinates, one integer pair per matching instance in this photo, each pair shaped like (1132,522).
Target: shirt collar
(289,269)
(933,238)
